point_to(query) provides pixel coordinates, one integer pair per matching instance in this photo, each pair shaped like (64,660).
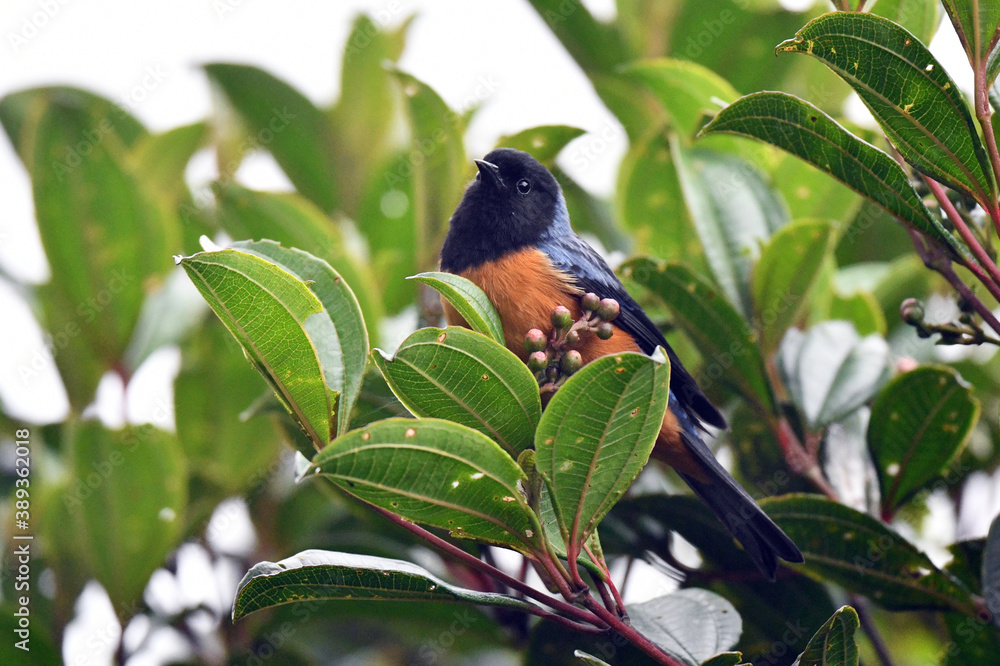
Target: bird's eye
(523,186)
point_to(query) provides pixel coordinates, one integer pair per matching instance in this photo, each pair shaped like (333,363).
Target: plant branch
(799,460)
(630,634)
(867,622)
(983,113)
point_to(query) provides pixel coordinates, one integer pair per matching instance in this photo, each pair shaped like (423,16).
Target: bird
(511,236)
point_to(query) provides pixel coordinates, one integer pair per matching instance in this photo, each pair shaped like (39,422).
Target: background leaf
(833,644)
(691,624)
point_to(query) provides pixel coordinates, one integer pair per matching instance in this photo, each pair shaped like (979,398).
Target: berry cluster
(554,358)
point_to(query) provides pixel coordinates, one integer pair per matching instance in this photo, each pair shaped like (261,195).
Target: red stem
(630,634)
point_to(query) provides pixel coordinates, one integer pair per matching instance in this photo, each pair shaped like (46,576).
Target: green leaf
(861,554)
(162,159)
(434,472)
(920,17)
(282,120)
(596,46)
(692,624)
(833,644)
(320,575)
(991,570)
(436,161)
(169,315)
(861,309)
(782,279)
(128,491)
(214,387)
(544,142)
(810,193)
(282,327)
(726,342)
(907,90)
(590,659)
(458,375)
(294,221)
(107,241)
(919,422)
(344,347)
(468,300)
(830,370)
(806,132)
(733,211)
(726,659)
(977,23)
(688,91)
(596,435)
(649,203)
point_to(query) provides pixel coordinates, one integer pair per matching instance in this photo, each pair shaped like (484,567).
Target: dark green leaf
(107,241)
(977,23)
(344,347)
(294,221)
(788,266)
(733,211)
(544,142)
(688,91)
(434,472)
(282,327)
(830,370)
(461,376)
(725,659)
(596,46)
(128,491)
(974,640)
(716,328)
(919,422)
(596,435)
(806,132)
(854,550)
(812,194)
(469,301)
(280,119)
(991,570)
(320,575)
(907,90)
(833,644)
(692,624)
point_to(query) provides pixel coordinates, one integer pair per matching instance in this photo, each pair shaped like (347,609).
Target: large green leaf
(544,142)
(282,327)
(830,370)
(918,424)
(596,46)
(436,161)
(854,550)
(907,90)
(782,279)
(806,132)
(733,211)
(320,575)
(434,472)
(283,121)
(462,376)
(128,491)
(294,221)
(693,624)
(596,435)
(468,300)
(162,159)
(726,342)
(107,242)
(833,644)
(344,346)
(688,91)
(920,17)
(977,23)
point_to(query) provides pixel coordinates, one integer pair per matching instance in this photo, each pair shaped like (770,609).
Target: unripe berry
(590,302)
(912,311)
(561,317)
(535,341)
(537,361)
(609,309)
(571,362)
(573,337)
(605,330)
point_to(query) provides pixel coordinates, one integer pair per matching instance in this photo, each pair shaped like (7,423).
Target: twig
(630,634)
(983,113)
(799,460)
(867,622)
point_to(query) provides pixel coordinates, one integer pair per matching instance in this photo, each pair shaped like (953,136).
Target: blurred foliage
(778,276)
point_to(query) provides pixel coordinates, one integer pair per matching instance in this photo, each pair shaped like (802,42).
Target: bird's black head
(513,203)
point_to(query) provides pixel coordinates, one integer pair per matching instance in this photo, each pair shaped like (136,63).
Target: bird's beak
(490,174)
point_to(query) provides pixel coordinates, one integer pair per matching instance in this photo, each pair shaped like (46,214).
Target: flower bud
(605,330)
(609,309)
(912,311)
(537,361)
(571,362)
(573,338)
(561,317)
(535,341)
(590,302)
